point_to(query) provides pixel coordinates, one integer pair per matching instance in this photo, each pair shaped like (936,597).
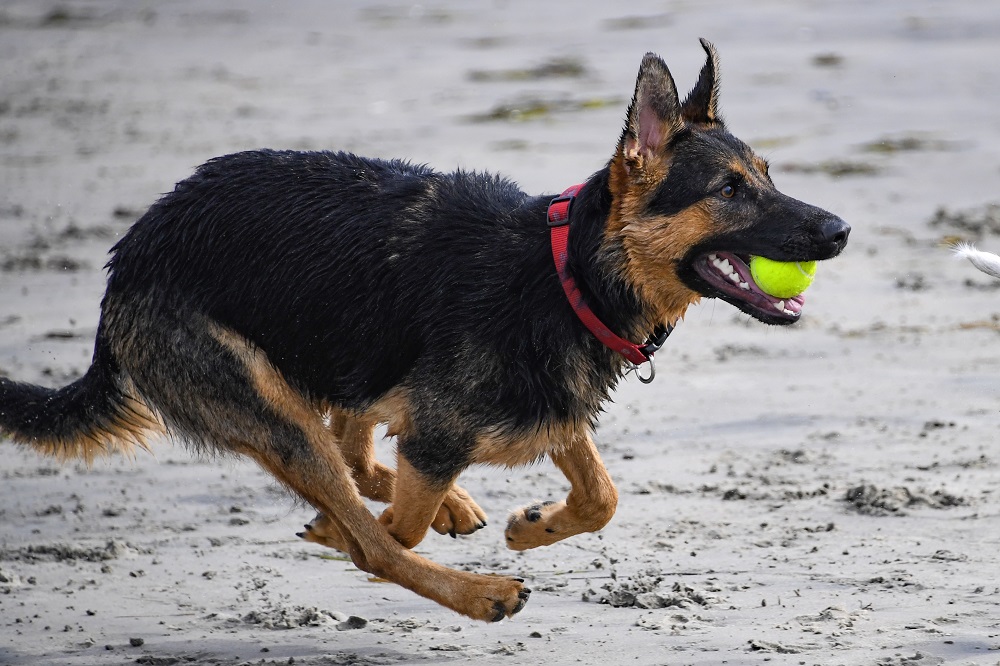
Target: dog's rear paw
(459,514)
(325,532)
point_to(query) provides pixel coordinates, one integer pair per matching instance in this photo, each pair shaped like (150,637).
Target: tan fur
(591,502)
(654,246)
(418,502)
(393,409)
(495,448)
(354,436)
(760,166)
(327,484)
(354,433)
(451,509)
(133,427)
(754,173)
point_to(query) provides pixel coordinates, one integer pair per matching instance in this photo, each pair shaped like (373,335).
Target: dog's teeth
(744,285)
(726,267)
(789,312)
(713,258)
(734,277)
(779,306)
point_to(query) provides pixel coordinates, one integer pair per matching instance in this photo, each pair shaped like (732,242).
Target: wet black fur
(356,275)
(87,406)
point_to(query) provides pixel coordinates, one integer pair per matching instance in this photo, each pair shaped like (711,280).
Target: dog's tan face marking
(752,170)
(654,247)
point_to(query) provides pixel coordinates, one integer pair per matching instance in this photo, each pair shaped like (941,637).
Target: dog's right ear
(702,103)
(654,115)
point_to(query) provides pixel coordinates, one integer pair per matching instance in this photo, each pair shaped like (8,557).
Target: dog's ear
(702,103)
(654,115)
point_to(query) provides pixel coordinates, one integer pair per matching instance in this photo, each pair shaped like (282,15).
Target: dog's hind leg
(355,437)
(307,463)
(373,479)
(456,514)
(216,390)
(591,502)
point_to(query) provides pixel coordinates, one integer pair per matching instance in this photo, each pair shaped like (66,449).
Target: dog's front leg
(591,502)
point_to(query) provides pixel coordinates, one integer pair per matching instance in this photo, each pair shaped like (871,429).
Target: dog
(279,305)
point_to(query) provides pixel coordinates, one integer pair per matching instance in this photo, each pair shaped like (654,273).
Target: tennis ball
(782,279)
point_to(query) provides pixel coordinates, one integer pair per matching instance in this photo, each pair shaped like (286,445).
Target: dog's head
(691,204)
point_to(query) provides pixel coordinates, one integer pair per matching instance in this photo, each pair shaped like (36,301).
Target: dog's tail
(97,414)
(987,262)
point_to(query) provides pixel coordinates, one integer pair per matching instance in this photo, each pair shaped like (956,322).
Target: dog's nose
(833,232)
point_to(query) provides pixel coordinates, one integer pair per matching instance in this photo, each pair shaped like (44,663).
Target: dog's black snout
(832,232)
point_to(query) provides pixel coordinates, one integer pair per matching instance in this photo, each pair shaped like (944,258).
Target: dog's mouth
(728,275)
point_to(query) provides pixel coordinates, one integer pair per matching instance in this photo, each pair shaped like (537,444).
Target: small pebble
(136,642)
(353,622)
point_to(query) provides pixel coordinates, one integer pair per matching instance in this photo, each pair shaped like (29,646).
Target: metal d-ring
(652,371)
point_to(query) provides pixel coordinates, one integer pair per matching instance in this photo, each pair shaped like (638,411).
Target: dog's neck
(598,265)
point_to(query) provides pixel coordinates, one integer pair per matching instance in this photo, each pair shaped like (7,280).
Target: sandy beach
(826,493)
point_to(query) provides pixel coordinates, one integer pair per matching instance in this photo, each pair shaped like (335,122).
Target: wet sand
(820,494)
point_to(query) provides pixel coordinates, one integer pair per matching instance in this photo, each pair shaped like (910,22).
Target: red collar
(558,219)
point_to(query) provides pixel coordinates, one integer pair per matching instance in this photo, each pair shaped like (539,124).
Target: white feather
(987,262)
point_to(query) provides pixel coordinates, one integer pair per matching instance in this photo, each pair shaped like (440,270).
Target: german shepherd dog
(280,305)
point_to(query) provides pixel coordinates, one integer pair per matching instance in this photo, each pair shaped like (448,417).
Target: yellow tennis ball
(782,279)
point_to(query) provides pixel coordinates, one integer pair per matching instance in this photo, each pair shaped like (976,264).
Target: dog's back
(328,262)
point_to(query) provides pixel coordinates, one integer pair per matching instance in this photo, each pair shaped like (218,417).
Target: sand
(827,493)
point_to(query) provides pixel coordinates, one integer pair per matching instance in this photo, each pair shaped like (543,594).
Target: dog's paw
(458,514)
(323,531)
(452,519)
(536,525)
(493,598)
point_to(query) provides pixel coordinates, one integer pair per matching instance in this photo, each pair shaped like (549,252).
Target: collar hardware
(558,219)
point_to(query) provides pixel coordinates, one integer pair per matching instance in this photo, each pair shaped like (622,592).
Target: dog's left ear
(702,103)
(654,115)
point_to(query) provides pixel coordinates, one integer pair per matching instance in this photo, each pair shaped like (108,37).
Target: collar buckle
(559,208)
(655,341)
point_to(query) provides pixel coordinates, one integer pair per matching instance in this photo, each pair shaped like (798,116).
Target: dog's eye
(728,191)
